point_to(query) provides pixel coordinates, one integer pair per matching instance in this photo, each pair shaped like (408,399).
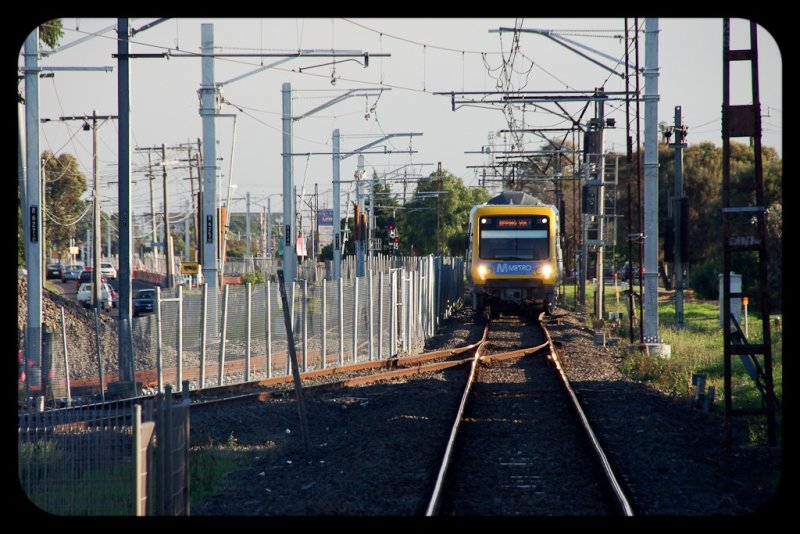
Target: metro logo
(513,268)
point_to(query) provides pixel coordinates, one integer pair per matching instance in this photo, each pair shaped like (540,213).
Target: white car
(85,295)
(107,270)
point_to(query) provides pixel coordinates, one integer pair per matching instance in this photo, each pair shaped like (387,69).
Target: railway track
(520,443)
(518,447)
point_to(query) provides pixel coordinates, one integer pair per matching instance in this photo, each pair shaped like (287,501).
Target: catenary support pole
(651,98)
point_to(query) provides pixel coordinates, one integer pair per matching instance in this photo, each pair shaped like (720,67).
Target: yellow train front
(514,255)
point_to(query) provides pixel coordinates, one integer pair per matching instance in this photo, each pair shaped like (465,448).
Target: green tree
(236,248)
(775,253)
(326,253)
(51,32)
(254,277)
(702,186)
(441,203)
(65,184)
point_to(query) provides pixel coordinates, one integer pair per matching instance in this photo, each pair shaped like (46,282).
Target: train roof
(519,198)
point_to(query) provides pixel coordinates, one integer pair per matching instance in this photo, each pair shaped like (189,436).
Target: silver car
(107,270)
(71,272)
(85,295)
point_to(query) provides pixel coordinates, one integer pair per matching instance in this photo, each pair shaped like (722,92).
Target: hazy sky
(427,56)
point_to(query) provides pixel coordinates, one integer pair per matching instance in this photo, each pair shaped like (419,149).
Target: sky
(427,56)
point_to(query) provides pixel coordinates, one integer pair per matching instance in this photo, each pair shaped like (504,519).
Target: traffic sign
(190,267)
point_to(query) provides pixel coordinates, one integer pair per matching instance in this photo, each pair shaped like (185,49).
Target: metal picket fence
(239,334)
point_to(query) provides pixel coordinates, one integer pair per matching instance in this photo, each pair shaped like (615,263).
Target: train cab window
(514,238)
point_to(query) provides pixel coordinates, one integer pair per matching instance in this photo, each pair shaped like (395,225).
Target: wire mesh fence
(76,463)
(104,460)
(80,461)
(239,334)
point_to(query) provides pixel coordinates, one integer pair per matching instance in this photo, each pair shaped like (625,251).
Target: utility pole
(198,226)
(601,212)
(678,226)
(97,248)
(97,290)
(289,222)
(186,241)
(33,216)
(209,103)
(651,96)
(169,253)
(316,221)
(337,214)
(357,226)
(150,179)
(191,159)
(269,227)
(167,235)
(439,209)
(247,229)
(125,350)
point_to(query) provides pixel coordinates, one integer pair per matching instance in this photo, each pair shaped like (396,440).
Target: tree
(65,184)
(441,201)
(702,186)
(51,32)
(775,253)
(236,248)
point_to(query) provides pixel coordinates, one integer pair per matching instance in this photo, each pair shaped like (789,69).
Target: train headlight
(482,271)
(545,270)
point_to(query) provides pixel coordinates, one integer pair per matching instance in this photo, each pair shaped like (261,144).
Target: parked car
(85,295)
(144,301)
(107,270)
(86,275)
(71,272)
(54,270)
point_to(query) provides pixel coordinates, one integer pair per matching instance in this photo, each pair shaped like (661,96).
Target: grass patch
(207,467)
(210,464)
(61,485)
(696,347)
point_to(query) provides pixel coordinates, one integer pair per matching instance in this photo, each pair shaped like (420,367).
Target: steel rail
(433,504)
(619,494)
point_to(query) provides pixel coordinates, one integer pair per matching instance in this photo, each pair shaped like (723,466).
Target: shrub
(254,277)
(703,278)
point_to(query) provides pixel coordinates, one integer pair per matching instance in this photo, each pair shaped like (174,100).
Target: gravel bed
(521,449)
(669,455)
(372,453)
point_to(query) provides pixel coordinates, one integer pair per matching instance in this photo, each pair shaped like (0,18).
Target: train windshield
(514,238)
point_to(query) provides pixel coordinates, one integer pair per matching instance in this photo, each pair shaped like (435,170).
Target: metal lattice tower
(742,204)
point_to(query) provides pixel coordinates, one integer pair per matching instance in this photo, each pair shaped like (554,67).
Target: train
(514,255)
